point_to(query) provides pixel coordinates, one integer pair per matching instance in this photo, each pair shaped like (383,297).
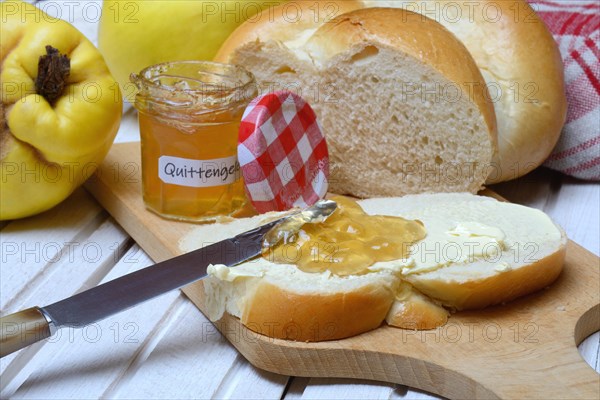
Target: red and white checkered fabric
(282,153)
(576,27)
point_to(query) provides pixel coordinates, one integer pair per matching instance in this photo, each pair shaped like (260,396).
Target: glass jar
(189,116)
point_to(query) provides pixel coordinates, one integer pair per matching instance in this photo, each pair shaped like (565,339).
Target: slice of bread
(523,69)
(478,272)
(401,102)
(524,252)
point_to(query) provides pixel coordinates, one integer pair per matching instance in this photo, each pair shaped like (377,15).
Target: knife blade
(26,327)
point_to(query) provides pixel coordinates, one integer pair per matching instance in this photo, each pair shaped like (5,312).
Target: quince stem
(53,70)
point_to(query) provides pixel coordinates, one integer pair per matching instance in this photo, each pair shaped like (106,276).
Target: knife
(29,326)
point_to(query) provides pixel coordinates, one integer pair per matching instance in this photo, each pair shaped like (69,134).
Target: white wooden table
(166,348)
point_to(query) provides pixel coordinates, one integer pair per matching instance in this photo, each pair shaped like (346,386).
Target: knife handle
(22,329)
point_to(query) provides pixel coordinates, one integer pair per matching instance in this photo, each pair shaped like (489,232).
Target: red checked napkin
(576,28)
(282,153)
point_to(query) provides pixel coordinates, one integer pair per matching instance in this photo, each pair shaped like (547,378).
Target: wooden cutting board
(524,349)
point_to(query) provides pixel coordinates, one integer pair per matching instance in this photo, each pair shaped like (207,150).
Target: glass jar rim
(228,84)
(145,76)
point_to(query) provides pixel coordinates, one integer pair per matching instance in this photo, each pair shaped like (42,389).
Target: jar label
(198,173)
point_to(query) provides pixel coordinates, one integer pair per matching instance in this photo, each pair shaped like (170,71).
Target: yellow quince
(59,112)
(133,35)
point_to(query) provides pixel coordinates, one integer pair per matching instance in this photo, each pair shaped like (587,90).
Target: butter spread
(502,267)
(299,40)
(473,229)
(465,242)
(224,273)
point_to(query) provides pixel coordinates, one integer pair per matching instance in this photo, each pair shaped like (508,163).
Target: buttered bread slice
(476,252)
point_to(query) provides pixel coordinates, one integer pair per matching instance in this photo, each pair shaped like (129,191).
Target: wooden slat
(296,387)
(321,388)
(576,207)
(533,190)
(70,251)
(86,362)
(70,276)
(404,393)
(91,259)
(590,351)
(129,129)
(245,381)
(32,246)
(192,360)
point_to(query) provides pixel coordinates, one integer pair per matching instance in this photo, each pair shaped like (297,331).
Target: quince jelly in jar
(189,116)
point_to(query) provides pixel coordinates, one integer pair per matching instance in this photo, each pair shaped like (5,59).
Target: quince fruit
(59,112)
(136,34)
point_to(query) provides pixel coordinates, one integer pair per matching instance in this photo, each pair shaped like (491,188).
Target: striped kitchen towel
(576,27)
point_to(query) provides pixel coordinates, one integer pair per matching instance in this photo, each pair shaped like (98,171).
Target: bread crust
(419,313)
(276,312)
(500,288)
(275,25)
(279,313)
(527,56)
